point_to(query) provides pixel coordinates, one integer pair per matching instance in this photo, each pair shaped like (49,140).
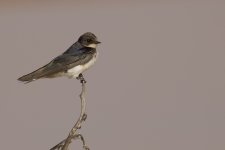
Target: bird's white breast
(75,71)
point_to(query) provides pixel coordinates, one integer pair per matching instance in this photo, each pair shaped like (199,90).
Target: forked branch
(63,145)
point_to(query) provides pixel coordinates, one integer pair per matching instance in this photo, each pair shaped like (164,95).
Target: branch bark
(64,145)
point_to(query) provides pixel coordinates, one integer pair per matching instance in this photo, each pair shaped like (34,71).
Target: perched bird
(75,60)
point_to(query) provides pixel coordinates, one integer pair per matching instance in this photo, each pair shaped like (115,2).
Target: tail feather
(32,76)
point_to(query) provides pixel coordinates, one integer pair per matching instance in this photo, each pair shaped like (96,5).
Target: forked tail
(32,76)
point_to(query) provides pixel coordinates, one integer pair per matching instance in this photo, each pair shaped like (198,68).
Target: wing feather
(60,64)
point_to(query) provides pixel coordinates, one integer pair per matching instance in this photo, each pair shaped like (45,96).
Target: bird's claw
(81,78)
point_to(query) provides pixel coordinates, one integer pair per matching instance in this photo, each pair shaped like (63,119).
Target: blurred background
(159,82)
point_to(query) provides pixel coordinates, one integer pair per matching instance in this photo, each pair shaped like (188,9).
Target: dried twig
(63,145)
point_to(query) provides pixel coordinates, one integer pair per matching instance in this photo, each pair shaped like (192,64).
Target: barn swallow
(72,63)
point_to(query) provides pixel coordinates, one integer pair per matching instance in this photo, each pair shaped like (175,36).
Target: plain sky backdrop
(159,82)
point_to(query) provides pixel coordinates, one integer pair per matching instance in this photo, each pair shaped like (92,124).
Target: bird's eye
(88,40)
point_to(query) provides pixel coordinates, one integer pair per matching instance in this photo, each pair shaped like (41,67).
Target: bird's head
(88,40)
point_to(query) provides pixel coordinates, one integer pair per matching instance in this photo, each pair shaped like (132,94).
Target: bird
(72,63)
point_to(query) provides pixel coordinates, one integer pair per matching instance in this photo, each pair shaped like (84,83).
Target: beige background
(159,83)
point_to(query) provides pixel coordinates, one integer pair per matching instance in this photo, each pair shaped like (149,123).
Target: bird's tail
(32,76)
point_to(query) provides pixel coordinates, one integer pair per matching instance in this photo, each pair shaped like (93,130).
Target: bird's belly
(75,71)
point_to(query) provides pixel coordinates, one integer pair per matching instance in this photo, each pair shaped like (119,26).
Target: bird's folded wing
(63,63)
(59,64)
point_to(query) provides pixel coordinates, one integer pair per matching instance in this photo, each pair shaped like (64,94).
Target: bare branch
(63,145)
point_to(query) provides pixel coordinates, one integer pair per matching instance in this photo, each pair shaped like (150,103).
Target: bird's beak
(97,42)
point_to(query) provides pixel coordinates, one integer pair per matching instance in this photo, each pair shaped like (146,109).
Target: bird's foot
(81,78)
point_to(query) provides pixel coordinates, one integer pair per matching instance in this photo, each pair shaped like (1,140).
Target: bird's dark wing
(60,64)
(65,62)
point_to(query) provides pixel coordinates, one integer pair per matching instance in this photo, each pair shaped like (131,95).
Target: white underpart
(74,72)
